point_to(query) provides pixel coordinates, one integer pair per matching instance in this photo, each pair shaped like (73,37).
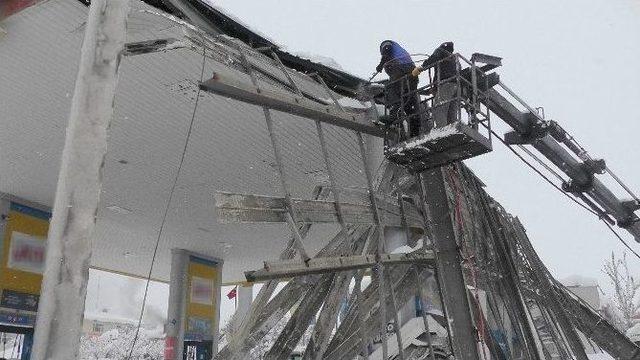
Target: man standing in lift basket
(400,90)
(444,108)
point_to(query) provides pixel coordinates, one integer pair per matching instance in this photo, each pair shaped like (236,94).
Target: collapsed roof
(229,149)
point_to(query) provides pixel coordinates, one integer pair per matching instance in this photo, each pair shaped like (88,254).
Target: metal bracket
(595,166)
(291,268)
(590,167)
(492,60)
(575,187)
(265,49)
(632,205)
(536,130)
(627,222)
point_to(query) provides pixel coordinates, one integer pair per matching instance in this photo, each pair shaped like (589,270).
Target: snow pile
(320,59)
(434,134)
(213,4)
(405,249)
(10,345)
(115,344)
(579,280)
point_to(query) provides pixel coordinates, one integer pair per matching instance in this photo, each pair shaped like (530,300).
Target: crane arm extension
(531,130)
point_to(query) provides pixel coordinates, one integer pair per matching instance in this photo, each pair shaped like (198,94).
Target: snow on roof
(213,4)
(320,59)
(315,58)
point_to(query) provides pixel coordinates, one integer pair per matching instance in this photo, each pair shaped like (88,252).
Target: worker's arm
(380,65)
(440,53)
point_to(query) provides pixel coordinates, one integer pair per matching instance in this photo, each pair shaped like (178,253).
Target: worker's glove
(416,71)
(379,68)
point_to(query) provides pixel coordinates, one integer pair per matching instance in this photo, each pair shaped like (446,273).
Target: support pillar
(194,305)
(245,298)
(177,305)
(449,265)
(4,216)
(64,286)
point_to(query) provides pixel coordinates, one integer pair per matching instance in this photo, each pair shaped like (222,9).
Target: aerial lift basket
(454,123)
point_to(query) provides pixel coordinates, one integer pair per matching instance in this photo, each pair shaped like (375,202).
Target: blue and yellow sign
(23,257)
(202,299)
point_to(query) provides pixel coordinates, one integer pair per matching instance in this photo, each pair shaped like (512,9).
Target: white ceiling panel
(228,149)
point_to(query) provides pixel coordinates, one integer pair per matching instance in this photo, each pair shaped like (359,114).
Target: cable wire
(617,235)
(542,163)
(166,210)
(624,186)
(621,239)
(540,172)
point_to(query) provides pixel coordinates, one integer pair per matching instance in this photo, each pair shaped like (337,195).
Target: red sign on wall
(26,253)
(10,7)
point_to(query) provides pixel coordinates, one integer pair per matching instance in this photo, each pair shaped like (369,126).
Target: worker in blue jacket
(397,63)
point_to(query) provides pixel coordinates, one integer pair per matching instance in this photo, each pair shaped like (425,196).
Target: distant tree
(611,313)
(625,289)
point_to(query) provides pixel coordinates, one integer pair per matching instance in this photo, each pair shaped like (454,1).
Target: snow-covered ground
(115,344)
(10,346)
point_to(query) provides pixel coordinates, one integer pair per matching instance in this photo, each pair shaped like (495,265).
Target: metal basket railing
(424,101)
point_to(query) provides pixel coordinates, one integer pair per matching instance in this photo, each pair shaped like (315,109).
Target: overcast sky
(576,58)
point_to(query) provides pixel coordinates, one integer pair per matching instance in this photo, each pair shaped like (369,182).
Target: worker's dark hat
(382,44)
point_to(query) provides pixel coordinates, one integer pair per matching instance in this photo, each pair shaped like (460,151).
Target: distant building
(98,323)
(588,293)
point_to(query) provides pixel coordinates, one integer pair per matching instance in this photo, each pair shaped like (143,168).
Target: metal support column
(323,144)
(364,335)
(177,304)
(64,285)
(291,216)
(245,298)
(5,204)
(381,250)
(449,265)
(421,292)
